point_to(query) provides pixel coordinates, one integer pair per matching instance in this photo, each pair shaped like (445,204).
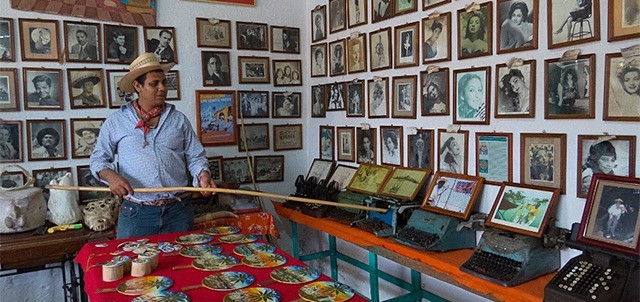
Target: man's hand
(118,185)
(205,181)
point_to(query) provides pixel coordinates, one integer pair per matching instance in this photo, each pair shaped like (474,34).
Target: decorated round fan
(194,239)
(253,248)
(253,294)
(222,230)
(294,274)
(263,260)
(239,238)
(228,280)
(199,250)
(214,262)
(326,291)
(144,285)
(162,296)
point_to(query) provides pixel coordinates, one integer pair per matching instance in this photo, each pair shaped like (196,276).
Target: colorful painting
(137,12)
(228,280)
(262,260)
(239,238)
(144,285)
(194,239)
(162,296)
(214,262)
(295,274)
(253,294)
(195,251)
(326,291)
(222,230)
(253,248)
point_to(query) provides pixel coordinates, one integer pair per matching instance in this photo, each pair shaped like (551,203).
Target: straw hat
(93,128)
(146,62)
(89,77)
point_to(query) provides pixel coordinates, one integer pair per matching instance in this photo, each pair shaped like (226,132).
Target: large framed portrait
(215,68)
(392,146)
(405,6)
(121,44)
(515,90)
(84,132)
(7,44)
(336,96)
(42,88)
(523,209)
(611,155)
(213,33)
(287,73)
(436,38)
(161,41)
(543,159)
(253,70)
(570,92)
(357,13)
(471,97)
(420,149)
(285,39)
(572,22)
(11,142)
(403,103)
(9,95)
(430,4)
(13,179)
(253,104)
(216,117)
(268,168)
(346,137)
(494,157)
(621,96)
(406,45)
(46,140)
(117,97)
(369,178)
(327,142)
(86,179)
(378,97)
(236,169)
(434,92)
(336,59)
(320,169)
(252,36)
(82,42)
(342,175)
(380,49)
(475,35)
(86,88)
(366,145)
(381,10)
(319,23)
(518,25)
(286,104)
(355,97)
(357,48)
(319,60)
(172,78)
(624,20)
(215,167)
(44,176)
(337,15)
(318,101)
(453,152)
(287,137)
(253,137)
(404,183)
(452,194)
(39,40)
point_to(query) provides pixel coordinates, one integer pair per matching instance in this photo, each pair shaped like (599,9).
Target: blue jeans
(142,220)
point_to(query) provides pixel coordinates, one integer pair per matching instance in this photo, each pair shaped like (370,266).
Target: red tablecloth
(90,256)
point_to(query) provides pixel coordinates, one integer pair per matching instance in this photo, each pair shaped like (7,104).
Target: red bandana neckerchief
(146,116)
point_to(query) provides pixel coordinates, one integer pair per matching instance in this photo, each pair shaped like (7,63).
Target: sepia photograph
(622,89)
(346,137)
(254,70)
(475,32)
(121,44)
(391,149)
(381,10)
(213,33)
(318,101)
(336,58)
(434,92)
(42,88)
(366,145)
(570,88)
(256,137)
(355,99)
(357,12)
(406,45)
(403,103)
(436,38)
(86,88)
(337,15)
(285,39)
(287,73)
(378,97)
(624,20)
(357,48)
(82,42)
(453,153)
(380,51)
(543,159)
(84,132)
(319,60)
(515,90)
(253,104)
(319,24)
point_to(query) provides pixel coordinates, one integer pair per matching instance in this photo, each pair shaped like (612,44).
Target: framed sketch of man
(570,88)
(624,20)
(215,68)
(319,60)
(403,104)
(543,159)
(420,151)
(515,90)
(86,88)
(7,44)
(434,92)
(39,40)
(83,42)
(475,36)
(378,97)
(42,89)
(46,139)
(612,155)
(572,22)
(252,36)
(85,134)
(406,45)
(357,48)
(453,153)
(9,95)
(117,97)
(337,15)
(517,25)
(319,23)
(213,33)
(380,53)
(10,141)
(337,60)
(161,41)
(121,44)
(622,89)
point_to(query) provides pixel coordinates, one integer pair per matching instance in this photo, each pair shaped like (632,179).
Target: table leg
(334,260)
(294,240)
(373,277)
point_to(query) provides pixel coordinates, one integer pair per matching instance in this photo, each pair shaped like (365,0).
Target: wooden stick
(228,191)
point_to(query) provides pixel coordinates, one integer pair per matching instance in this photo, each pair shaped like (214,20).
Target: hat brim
(126,83)
(94,130)
(79,83)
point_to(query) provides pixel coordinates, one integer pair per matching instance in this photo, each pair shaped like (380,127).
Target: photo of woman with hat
(83,83)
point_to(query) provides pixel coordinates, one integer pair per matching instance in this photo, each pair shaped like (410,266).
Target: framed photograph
(369,178)
(39,40)
(471,97)
(621,95)
(572,22)
(518,25)
(366,145)
(515,90)
(430,4)
(320,169)
(287,137)
(420,149)
(82,42)
(327,142)
(570,88)
(318,101)
(475,36)
(172,78)
(336,96)
(404,183)
(381,10)
(357,53)
(494,157)
(215,167)
(254,70)
(121,44)
(86,179)
(215,68)
(85,133)
(355,94)
(403,104)
(406,45)
(436,38)
(523,209)
(543,160)
(236,169)
(10,142)
(611,155)
(46,140)
(392,147)
(338,16)
(319,59)
(86,88)
(434,92)
(378,97)
(286,104)
(253,104)
(287,73)
(253,137)
(252,36)
(405,6)
(162,43)
(319,24)
(268,168)
(117,97)
(610,219)
(342,174)
(623,22)
(7,44)
(216,117)
(285,39)
(357,12)
(42,88)
(14,179)
(453,151)
(380,49)
(213,33)
(9,95)
(346,137)
(452,194)
(44,176)
(337,60)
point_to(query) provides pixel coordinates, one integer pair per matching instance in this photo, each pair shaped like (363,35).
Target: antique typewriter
(347,215)
(304,188)
(321,191)
(385,224)
(430,231)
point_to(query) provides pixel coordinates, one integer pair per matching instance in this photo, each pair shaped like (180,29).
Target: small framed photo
(85,134)
(121,44)
(612,155)
(172,78)
(215,167)
(46,140)
(357,49)
(236,169)
(380,49)
(9,95)
(518,25)
(366,145)
(355,95)
(82,42)
(320,169)
(403,104)
(338,16)
(42,88)
(452,194)
(216,117)
(336,93)
(117,97)
(162,43)
(86,88)
(7,43)
(10,142)
(319,59)
(391,148)
(515,90)
(213,33)
(86,179)
(357,12)
(256,137)
(405,6)
(318,101)
(623,22)
(453,152)
(269,168)
(570,88)
(434,92)
(406,45)
(286,104)
(285,39)
(337,60)
(381,10)
(610,219)
(319,24)
(494,157)
(572,24)
(44,176)
(543,160)
(420,149)
(13,179)
(621,96)
(327,142)
(342,174)
(475,36)
(436,39)
(346,137)
(287,137)
(287,73)
(369,178)
(215,68)
(471,97)
(252,36)
(404,183)
(253,104)
(378,97)
(523,209)
(430,4)
(254,70)
(39,40)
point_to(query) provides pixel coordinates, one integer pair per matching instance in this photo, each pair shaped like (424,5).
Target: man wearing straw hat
(155,144)
(86,82)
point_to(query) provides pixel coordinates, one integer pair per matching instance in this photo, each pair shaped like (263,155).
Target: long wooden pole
(228,191)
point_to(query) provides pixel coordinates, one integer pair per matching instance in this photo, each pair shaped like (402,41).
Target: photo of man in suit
(84,50)
(161,47)
(214,72)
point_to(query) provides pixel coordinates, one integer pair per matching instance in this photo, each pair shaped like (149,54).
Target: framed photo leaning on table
(369,178)
(320,169)
(452,194)
(405,183)
(342,174)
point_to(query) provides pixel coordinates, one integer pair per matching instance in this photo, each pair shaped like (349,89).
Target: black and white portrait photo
(420,153)
(337,15)
(570,87)
(518,25)
(285,39)
(382,9)
(622,94)
(391,147)
(573,22)
(515,93)
(86,179)
(337,59)
(436,38)
(121,43)
(215,69)
(9,95)
(117,97)
(357,12)
(83,42)
(287,73)
(286,105)
(319,24)
(7,46)
(378,97)
(85,134)
(46,139)
(355,96)
(604,155)
(318,101)
(336,98)
(252,36)
(10,141)
(319,60)
(162,43)
(86,87)
(366,145)
(452,152)
(43,88)
(380,49)
(254,104)
(435,92)
(475,31)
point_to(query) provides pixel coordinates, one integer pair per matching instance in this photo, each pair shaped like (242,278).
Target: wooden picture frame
(320,169)
(9,94)
(403,104)
(337,59)
(378,97)
(268,168)
(453,151)
(346,137)
(83,42)
(452,194)
(285,39)
(420,149)
(434,94)
(479,43)
(86,179)
(215,167)
(216,117)
(161,41)
(621,23)
(620,101)
(282,78)
(381,10)
(319,60)
(237,170)
(287,137)
(216,70)
(356,13)
(430,4)
(357,49)
(336,96)
(213,33)
(318,101)
(494,157)
(120,44)
(517,25)
(286,104)
(404,183)
(11,150)
(355,99)
(392,146)
(337,15)
(407,46)
(380,51)
(252,36)
(255,135)
(7,41)
(86,88)
(472,95)
(172,79)
(515,90)
(44,176)
(560,15)
(42,89)
(254,70)
(612,155)
(39,39)
(565,100)
(342,174)
(402,7)
(436,38)
(253,104)
(46,140)
(84,133)
(366,145)
(523,209)
(117,97)
(327,142)
(543,159)
(13,179)
(369,178)
(319,23)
